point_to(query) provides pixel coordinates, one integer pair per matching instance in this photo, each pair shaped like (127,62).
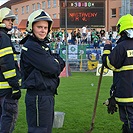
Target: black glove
(111,107)
(16,94)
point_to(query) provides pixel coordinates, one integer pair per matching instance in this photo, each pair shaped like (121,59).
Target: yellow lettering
(129,53)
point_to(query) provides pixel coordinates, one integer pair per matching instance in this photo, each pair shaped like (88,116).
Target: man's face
(40,29)
(8,22)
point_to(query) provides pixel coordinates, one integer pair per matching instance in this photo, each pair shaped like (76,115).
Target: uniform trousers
(8,113)
(39,112)
(126,115)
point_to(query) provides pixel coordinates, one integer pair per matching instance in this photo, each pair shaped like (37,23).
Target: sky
(2,2)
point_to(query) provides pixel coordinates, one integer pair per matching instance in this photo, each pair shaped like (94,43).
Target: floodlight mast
(66,38)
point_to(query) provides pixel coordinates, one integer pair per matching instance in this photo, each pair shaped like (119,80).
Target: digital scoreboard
(82,12)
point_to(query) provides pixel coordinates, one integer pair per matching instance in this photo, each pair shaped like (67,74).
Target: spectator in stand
(59,43)
(65,36)
(54,34)
(103,40)
(89,36)
(84,33)
(102,33)
(60,35)
(79,37)
(93,33)
(73,37)
(96,41)
(110,35)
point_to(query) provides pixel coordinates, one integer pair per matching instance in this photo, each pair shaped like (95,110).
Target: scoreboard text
(80,13)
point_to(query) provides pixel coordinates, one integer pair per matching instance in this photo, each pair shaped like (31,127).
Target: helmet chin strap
(129,33)
(2,25)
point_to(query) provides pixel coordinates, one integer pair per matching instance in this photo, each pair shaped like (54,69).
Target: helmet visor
(10,15)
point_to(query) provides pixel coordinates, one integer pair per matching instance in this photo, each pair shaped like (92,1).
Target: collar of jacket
(123,37)
(34,38)
(5,30)
(45,40)
(40,42)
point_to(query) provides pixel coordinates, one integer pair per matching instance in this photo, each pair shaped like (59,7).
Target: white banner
(73,52)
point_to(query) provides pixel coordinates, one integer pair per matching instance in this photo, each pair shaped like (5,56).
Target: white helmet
(6,13)
(37,16)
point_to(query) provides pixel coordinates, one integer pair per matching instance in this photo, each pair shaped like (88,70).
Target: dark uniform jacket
(40,69)
(120,60)
(9,71)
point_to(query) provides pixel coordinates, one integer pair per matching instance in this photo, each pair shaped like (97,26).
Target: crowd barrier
(81,57)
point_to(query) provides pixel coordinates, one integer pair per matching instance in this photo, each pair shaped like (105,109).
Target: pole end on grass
(91,128)
(90,131)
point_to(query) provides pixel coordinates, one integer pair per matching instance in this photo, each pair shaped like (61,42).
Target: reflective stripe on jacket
(120,60)
(9,71)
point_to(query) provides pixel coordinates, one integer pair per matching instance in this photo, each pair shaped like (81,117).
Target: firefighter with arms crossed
(120,60)
(9,74)
(40,73)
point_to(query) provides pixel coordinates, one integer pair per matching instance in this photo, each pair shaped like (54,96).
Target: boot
(125,129)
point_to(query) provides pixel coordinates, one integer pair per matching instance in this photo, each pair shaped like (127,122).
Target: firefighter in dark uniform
(120,60)
(40,73)
(9,74)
